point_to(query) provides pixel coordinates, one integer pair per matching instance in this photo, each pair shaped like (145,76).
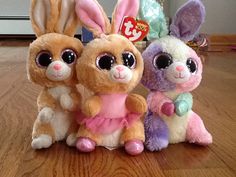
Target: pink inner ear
(125,8)
(90,15)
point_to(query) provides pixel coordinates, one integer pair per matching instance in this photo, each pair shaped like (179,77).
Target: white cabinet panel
(20,8)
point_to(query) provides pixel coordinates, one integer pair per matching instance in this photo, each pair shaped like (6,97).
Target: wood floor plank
(214,101)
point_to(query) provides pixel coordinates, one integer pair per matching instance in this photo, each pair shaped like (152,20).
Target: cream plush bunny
(51,64)
(111,67)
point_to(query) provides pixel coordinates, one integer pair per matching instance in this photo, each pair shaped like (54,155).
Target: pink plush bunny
(111,67)
(172,70)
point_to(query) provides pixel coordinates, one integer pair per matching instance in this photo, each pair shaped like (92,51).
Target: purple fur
(156,132)
(153,78)
(188,20)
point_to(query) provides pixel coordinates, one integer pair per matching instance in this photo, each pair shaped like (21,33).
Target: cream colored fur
(177,48)
(111,141)
(178,77)
(123,76)
(177,126)
(58,75)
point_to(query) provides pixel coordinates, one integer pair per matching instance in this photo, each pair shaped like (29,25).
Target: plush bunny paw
(168,109)
(71,140)
(181,108)
(66,102)
(85,145)
(134,147)
(43,141)
(46,115)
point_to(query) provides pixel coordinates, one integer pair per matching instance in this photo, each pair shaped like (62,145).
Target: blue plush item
(152,12)
(87,36)
(183,104)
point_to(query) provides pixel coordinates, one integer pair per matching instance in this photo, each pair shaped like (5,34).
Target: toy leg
(156,132)
(72,133)
(133,138)
(196,131)
(43,135)
(86,140)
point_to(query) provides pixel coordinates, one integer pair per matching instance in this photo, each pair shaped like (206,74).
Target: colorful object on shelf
(152,13)
(110,66)
(172,71)
(200,42)
(87,36)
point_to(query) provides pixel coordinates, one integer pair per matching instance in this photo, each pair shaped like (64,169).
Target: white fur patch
(177,128)
(176,76)
(43,141)
(111,141)
(175,47)
(61,123)
(46,115)
(57,92)
(121,73)
(71,139)
(66,102)
(58,74)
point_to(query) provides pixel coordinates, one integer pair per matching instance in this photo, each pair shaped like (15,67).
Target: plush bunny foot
(43,141)
(71,140)
(134,147)
(196,131)
(156,144)
(156,132)
(85,144)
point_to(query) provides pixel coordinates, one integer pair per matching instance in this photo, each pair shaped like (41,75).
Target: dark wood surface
(214,100)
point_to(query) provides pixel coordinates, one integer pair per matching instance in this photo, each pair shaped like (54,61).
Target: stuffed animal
(51,64)
(110,66)
(172,70)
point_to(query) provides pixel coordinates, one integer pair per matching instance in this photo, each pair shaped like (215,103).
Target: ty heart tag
(133,29)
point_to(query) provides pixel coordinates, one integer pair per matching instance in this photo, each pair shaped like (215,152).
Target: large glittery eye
(68,56)
(44,59)
(162,61)
(105,61)
(129,59)
(191,64)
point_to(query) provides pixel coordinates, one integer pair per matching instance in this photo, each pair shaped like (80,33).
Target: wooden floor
(215,101)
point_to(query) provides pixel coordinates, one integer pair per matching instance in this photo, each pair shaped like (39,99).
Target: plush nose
(119,68)
(179,68)
(57,67)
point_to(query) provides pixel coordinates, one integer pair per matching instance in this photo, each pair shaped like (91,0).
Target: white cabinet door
(14,16)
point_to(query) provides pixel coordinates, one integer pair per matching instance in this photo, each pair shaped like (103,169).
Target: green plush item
(155,18)
(183,104)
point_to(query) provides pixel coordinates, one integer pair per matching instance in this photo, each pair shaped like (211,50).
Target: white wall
(14,7)
(220,17)
(21,8)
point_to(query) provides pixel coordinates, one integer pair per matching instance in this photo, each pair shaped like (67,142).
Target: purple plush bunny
(172,70)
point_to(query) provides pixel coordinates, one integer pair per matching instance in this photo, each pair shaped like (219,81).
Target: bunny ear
(67,22)
(93,17)
(188,20)
(43,16)
(124,8)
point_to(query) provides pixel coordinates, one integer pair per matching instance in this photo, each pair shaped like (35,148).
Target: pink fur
(195,79)
(156,100)
(125,8)
(196,131)
(89,12)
